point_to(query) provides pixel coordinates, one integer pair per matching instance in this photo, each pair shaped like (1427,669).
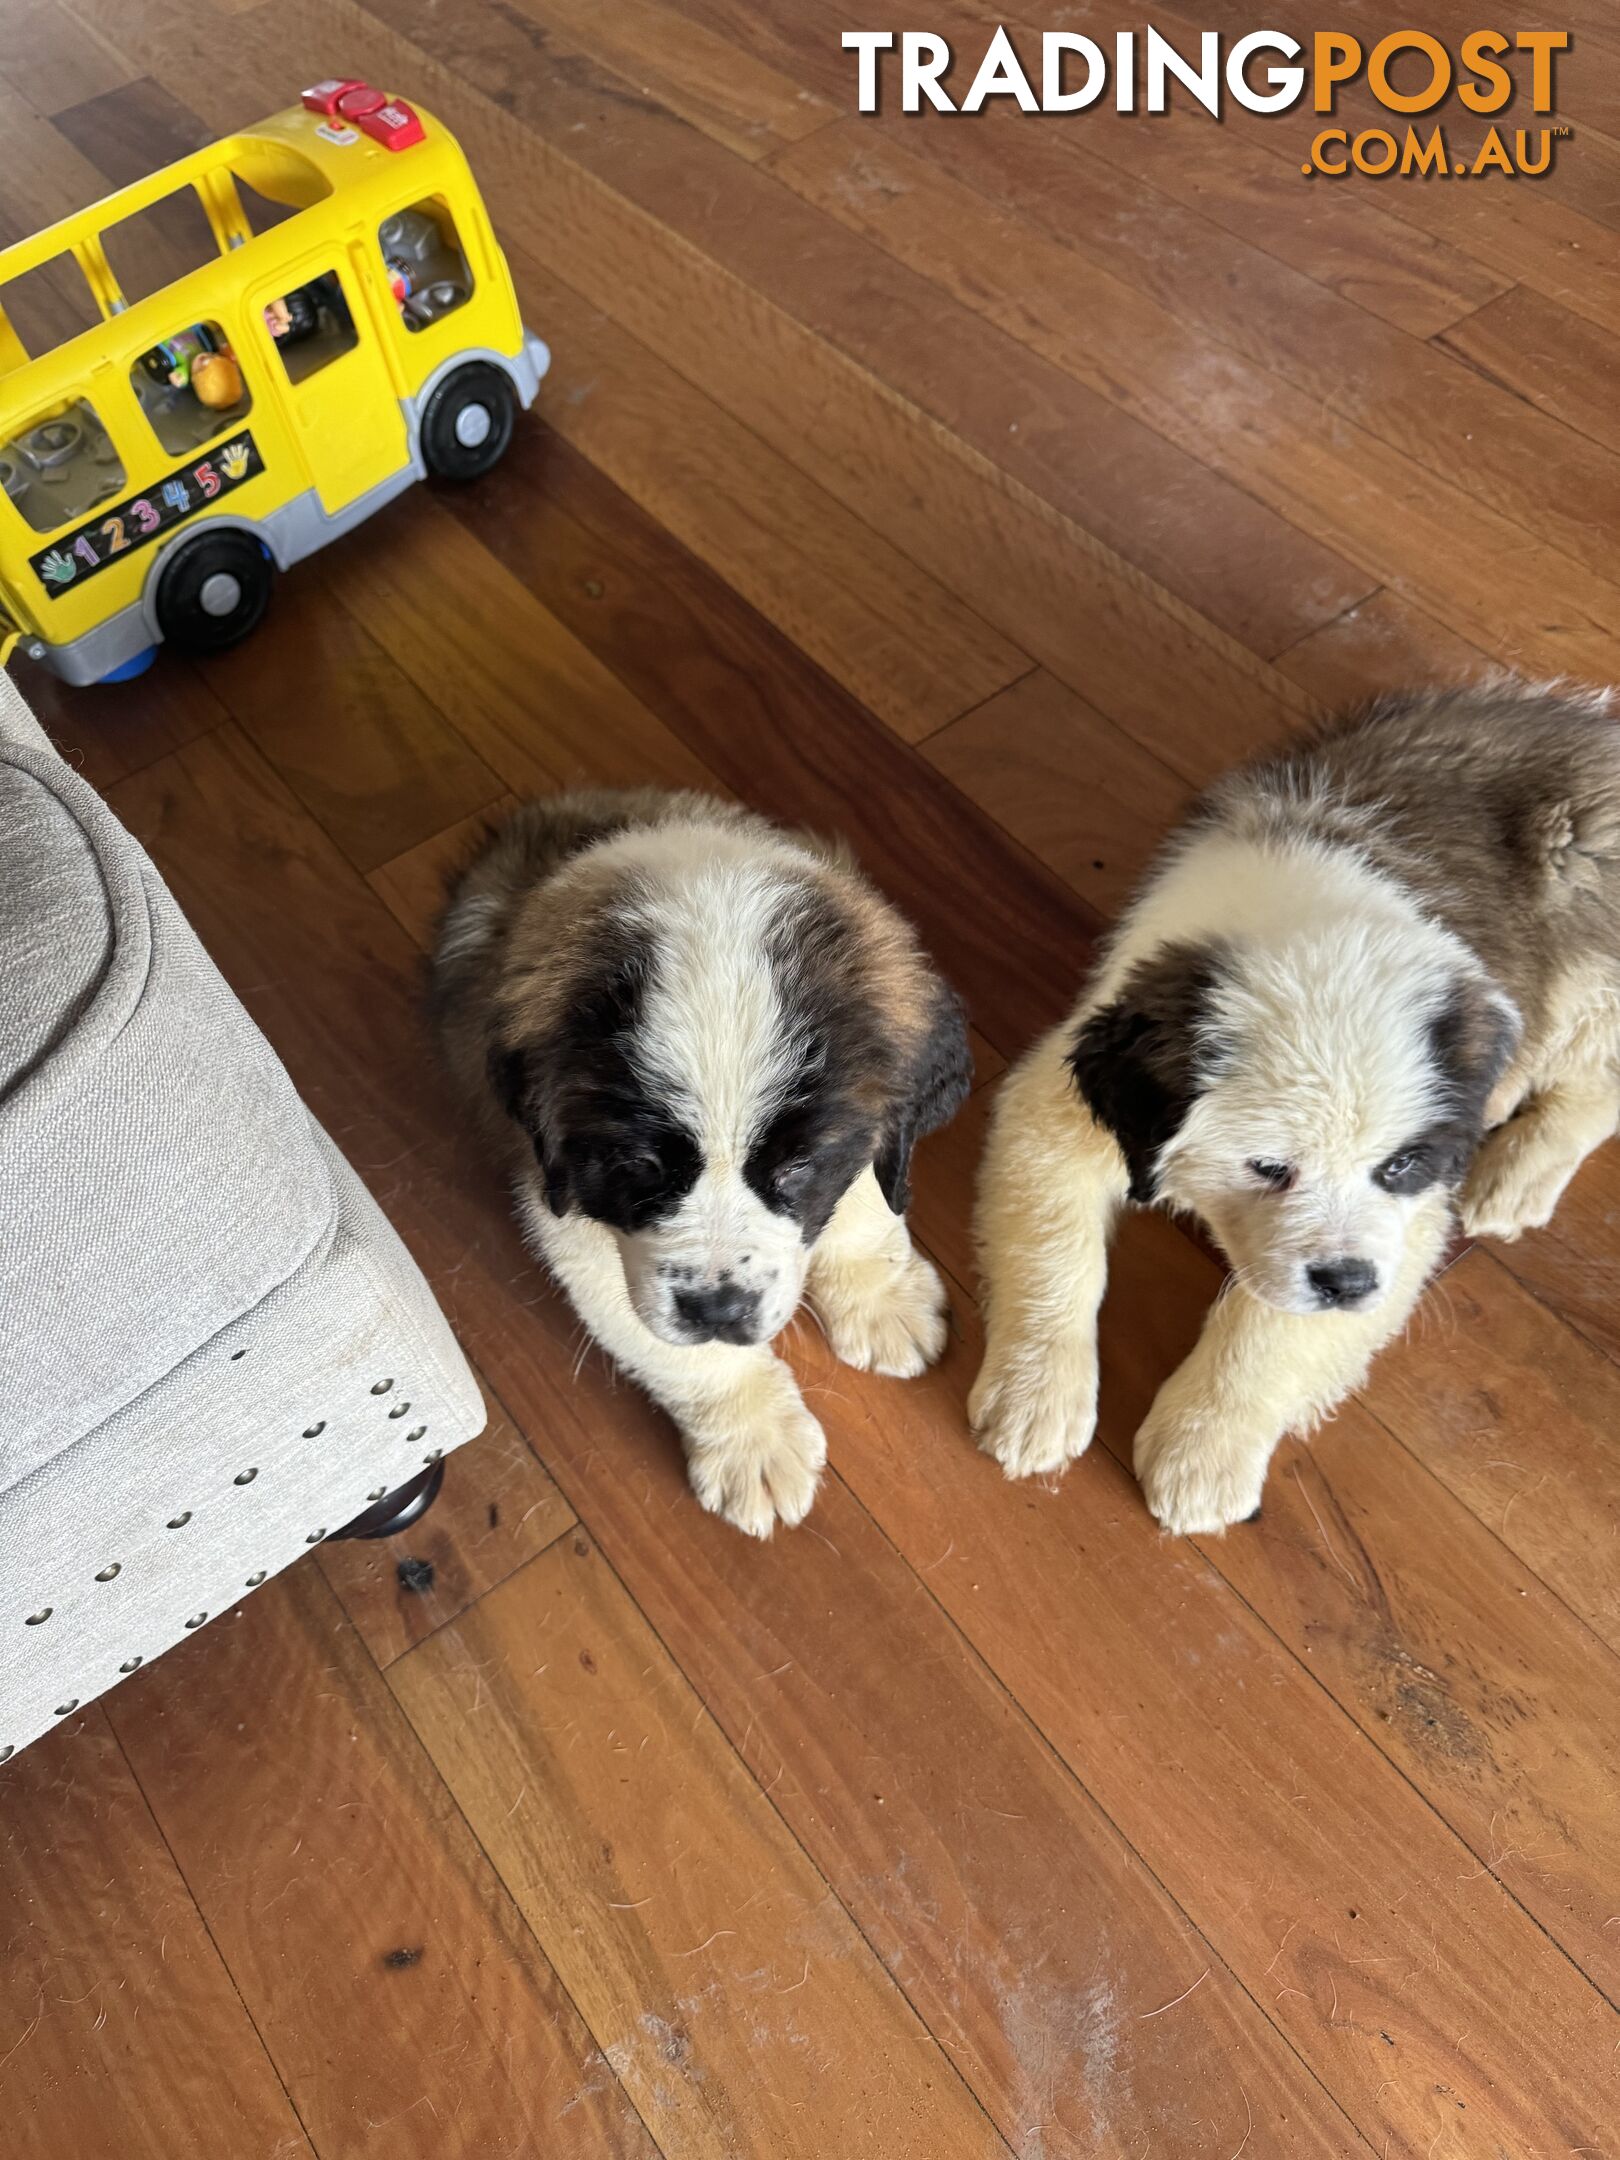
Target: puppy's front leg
(754,1453)
(1255,1374)
(881,1302)
(1521,1170)
(1052,1182)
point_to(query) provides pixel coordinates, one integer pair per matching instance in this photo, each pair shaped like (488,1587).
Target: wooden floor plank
(1089,461)
(1084,798)
(1344,241)
(120,2029)
(724,1982)
(498,1509)
(1406,1977)
(1572,1265)
(793,40)
(1517,1415)
(1571,259)
(124,134)
(130,130)
(1175,238)
(1348,242)
(110,730)
(782,736)
(401,1997)
(1467,1669)
(914,655)
(951,1838)
(1581,72)
(945,1169)
(1384,644)
(45,176)
(530,697)
(1425,536)
(1458,1660)
(1563,364)
(1583,181)
(909,650)
(1381,1568)
(412,886)
(741,102)
(371,757)
(1104,205)
(52,69)
(1037,427)
(1525,234)
(328,953)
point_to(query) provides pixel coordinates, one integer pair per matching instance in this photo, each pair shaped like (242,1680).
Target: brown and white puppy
(710,1046)
(1366,978)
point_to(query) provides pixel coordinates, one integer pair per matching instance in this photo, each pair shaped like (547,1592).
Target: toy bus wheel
(468,422)
(214,591)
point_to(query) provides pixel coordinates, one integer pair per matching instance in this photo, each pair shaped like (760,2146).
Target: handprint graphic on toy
(234,460)
(59,568)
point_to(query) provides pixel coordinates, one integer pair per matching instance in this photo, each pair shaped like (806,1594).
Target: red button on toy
(324,97)
(393,123)
(358,101)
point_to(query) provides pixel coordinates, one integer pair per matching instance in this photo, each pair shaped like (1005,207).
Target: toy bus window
(49,304)
(263,212)
(426,270)
(274,182)
(311,326)
(190,387)
(152,247)
(57,469)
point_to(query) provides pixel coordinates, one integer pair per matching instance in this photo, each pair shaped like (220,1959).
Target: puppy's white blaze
(714,1037)
(716,1043)
(1330,1042)
(1243,890)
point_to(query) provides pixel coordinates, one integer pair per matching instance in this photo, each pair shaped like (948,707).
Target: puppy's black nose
(1342,1282)
(724,1312)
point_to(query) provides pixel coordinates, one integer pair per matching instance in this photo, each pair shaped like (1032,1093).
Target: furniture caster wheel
(398,1510)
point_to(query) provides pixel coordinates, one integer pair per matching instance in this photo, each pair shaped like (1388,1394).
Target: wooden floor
(978,489)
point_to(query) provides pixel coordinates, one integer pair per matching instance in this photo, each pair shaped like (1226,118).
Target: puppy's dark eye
(1402,1171)
(792,1181)
(1278,1175)
(638,1166)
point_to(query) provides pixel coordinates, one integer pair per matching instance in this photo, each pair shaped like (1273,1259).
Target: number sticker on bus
(100,540)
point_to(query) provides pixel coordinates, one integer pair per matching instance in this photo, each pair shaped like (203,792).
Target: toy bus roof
(290,153)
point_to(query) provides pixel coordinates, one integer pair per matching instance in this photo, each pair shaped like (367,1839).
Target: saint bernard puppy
(1371,983)
(710,1046)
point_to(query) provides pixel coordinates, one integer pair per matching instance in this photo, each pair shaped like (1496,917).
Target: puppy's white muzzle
(723,1269)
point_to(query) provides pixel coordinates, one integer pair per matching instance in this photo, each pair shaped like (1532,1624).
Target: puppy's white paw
(881,1317)
(1034,1407)
(758,1458)
(1516,1183)
(1199,1475)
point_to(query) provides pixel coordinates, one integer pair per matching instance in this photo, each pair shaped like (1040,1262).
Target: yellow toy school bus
(356,330)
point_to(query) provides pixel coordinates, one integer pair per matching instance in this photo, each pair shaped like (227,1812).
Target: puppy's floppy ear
(1471,1038)
(937,1083)
(515,1081)
(1140,1062)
